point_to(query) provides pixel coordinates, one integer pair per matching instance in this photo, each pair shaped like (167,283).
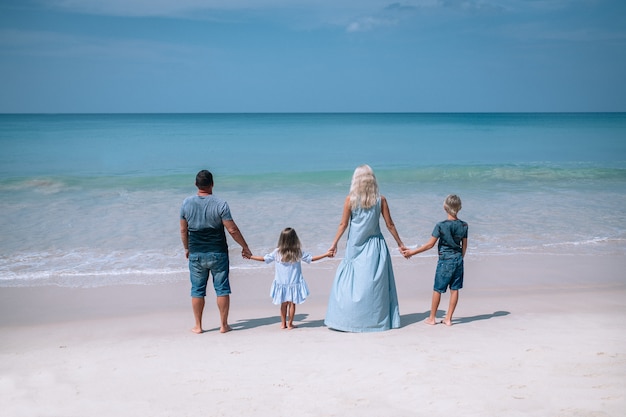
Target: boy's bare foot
(430,321)
(225,329)
(197,330)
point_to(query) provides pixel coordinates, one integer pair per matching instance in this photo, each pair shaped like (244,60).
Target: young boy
(452,236)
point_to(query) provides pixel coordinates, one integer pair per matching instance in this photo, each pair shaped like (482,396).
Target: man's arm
(234,231)
(184,236)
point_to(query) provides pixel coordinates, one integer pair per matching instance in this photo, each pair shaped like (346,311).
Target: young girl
(288,287)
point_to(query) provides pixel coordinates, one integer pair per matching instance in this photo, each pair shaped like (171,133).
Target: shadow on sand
(406,320)
(409,319)
(463,320)
(300,320)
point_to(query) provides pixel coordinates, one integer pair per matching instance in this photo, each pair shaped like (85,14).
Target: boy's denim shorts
(449,274)
(200,264)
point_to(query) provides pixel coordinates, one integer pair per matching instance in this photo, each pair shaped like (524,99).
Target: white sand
(534,336)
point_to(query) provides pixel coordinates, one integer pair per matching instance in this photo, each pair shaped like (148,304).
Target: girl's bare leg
(292,313)
(283,315)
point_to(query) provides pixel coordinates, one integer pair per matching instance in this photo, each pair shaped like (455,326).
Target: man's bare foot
(430,321)
(197,330)
(292,326)
(447,322)
(225,329)
(283,326)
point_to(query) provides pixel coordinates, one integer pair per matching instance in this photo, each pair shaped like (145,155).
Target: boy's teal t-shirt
(450,234)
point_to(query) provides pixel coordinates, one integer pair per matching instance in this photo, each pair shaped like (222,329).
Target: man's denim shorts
(449,274)
(200,264)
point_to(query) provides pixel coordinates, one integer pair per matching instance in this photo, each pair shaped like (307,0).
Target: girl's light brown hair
(289,247)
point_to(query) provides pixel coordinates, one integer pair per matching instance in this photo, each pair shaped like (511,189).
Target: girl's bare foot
(430,321)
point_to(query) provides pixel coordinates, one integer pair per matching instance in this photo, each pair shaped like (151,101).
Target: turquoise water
(93,199)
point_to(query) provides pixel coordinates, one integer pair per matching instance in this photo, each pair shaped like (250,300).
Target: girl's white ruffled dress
(288,284)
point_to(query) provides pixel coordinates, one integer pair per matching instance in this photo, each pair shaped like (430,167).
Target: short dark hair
(204,179)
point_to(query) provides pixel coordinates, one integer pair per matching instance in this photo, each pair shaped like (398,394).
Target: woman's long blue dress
(363,297)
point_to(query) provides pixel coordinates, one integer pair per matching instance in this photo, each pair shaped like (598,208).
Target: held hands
(406,252)
(245,253)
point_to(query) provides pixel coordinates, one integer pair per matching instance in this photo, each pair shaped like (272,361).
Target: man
(203,218)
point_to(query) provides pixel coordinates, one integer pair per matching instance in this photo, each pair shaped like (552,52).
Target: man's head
(204,180)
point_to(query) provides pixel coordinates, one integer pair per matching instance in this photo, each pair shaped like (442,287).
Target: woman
(363,297)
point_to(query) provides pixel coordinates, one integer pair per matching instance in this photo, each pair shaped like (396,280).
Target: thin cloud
(368,23)
(400,7)
(389,15)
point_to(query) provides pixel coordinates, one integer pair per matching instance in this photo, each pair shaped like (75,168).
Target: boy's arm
(428,245)
(463,246)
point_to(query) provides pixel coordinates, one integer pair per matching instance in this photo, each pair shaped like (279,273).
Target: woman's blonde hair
(289,247)
(364,188)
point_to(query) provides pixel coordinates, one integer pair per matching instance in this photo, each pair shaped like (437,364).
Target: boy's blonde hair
(452,204)
(364,188)
(289,247)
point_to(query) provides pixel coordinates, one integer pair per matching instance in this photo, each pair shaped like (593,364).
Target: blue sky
(65,56)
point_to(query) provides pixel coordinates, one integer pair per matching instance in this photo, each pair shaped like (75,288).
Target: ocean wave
(535,173)
(85,269)
(587,242)
(509,173)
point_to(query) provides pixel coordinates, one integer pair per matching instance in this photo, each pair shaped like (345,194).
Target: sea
(89,200)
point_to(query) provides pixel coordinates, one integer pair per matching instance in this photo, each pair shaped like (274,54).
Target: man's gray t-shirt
(204,216)
(450,234)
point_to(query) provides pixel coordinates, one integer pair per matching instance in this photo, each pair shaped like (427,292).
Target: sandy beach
(533,336)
